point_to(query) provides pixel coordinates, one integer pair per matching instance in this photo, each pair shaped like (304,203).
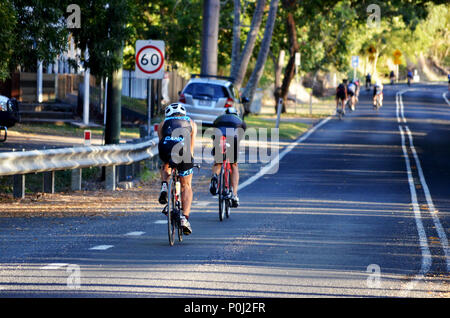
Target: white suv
(207,97)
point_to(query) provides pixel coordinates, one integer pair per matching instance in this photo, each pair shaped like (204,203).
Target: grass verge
(69,130)
(288,130)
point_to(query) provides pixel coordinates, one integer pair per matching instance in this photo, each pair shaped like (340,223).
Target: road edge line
(439,229)
(425,250)
(263,171)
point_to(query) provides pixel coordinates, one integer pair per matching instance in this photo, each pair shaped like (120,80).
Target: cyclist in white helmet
(174,129)
(378,92)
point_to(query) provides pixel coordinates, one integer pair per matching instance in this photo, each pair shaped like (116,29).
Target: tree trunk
(211,11)
(289,72)
(249,45)
(114,108)
(250,88)
(236,47)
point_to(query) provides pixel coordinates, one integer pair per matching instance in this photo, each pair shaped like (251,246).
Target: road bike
(224,189)
(173,207)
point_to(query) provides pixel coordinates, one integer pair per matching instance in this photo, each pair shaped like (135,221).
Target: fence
(137,87)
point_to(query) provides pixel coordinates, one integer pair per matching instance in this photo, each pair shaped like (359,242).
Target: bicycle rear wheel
(170,212)
(229,190)
(222,199)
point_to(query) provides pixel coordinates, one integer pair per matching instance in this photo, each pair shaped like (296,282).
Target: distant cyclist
(177,129)
(378,93)
(392,77)
(358,87)
(351,90)
(368,81)
(410,77)
(341,95)
(229,125)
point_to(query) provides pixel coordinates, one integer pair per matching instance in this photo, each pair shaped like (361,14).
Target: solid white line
(276,161)
(443,95)
(426,255)
(101,247)
(440,230)
(54,266)
(402,107)
(137,233)
(397,107)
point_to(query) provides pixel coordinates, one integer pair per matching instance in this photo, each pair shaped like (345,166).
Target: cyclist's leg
(235,177)
(186,194)
(165,172)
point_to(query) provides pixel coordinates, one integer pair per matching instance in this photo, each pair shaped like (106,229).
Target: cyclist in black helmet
(229,125)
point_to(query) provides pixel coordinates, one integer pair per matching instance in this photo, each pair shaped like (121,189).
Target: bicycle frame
(224,187)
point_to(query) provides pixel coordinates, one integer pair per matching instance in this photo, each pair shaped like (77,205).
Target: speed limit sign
(150,59)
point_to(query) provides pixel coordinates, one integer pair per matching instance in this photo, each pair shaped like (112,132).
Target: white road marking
(161,222)
(276,161)
(137,233)
(426,255)
(400,108)
(203,203)
(54,266)
(443,95)
(101,247)
(440,230)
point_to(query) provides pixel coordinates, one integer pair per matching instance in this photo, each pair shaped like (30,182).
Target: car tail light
(229,103)
(182,98)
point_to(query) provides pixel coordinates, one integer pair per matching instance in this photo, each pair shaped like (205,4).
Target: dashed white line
(54,266)
(161,222)
(136,233)
(101,247)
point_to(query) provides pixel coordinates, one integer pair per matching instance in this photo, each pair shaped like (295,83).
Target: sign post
(355,63)
(397,61)
(149,65)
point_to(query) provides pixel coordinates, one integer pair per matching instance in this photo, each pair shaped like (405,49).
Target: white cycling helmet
(231,110)
(175,108)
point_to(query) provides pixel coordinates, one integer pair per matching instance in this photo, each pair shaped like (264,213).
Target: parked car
(9,115)
(206,98)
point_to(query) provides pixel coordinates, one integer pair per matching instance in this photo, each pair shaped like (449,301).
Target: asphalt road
(357,208)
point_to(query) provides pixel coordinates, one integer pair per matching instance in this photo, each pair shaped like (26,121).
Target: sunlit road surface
(358,209)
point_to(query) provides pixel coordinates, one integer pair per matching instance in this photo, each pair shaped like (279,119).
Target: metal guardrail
(20,163)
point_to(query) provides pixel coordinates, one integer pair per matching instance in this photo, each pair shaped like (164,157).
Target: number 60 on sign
(150,59)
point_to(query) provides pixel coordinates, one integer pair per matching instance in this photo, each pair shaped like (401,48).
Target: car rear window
(212,91)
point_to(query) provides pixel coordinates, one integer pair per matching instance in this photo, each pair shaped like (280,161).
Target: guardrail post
(19,186)
(48,182)
(110,178)
(76,179)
